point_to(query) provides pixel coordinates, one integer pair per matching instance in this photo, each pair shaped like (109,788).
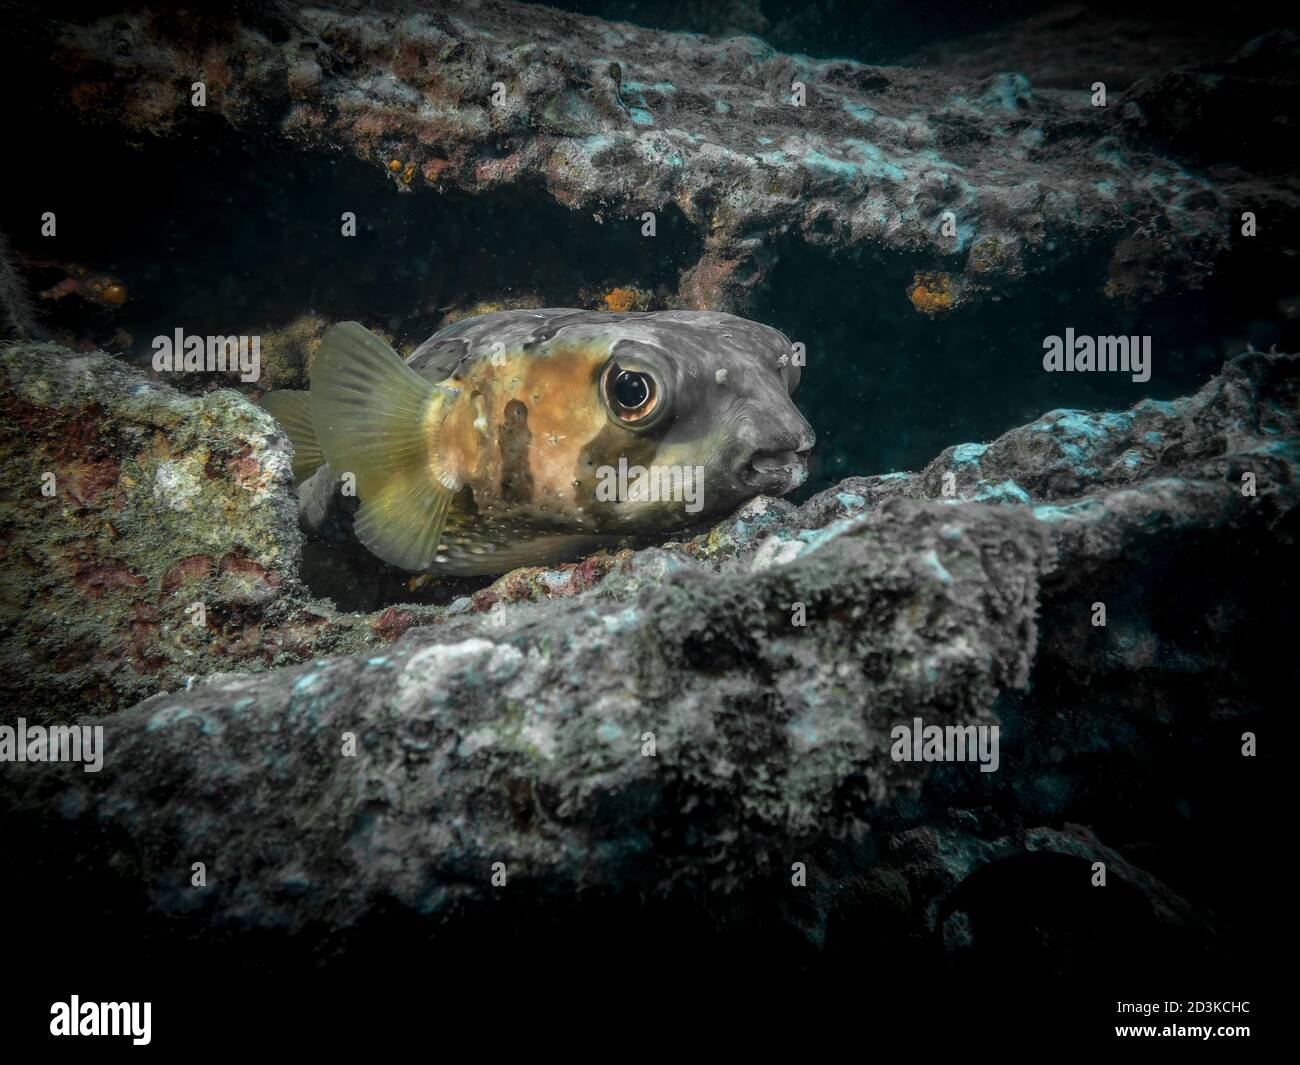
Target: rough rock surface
(167,546)
(518,735)
(617,120)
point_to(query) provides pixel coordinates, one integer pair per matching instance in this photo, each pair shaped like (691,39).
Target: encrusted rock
(972,171)
(674,730)
(148,537)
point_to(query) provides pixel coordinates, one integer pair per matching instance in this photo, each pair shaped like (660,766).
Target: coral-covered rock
(963,166)
(674,729)
(148,537)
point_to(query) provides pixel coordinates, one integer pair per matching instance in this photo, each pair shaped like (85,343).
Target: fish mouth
(775,472)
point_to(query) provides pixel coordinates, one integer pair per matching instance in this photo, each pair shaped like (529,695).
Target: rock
(1222,111)
(287,354)
(17,319)
(166,548)
(1073,45)
(970,171)
(670,731)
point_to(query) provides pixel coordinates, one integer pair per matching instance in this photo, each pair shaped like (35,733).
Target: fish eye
(631,390)
(632,396)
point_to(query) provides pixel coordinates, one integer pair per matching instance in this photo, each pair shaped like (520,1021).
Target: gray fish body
(557,431)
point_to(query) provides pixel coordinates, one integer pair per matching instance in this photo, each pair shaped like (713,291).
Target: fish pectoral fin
(379,421)
(403,522)
(292,409)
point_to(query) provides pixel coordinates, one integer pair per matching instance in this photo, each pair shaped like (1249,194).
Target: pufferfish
(500,441)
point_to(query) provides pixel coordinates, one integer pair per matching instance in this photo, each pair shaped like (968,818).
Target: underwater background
(949,192)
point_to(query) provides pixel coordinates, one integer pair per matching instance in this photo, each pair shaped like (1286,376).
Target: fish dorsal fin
(292,409)
(377,419)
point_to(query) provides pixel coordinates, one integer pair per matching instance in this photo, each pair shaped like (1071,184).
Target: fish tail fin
(292,409)
(379,420)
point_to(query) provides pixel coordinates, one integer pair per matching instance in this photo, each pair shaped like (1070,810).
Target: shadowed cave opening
(415,256)
(886,388)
